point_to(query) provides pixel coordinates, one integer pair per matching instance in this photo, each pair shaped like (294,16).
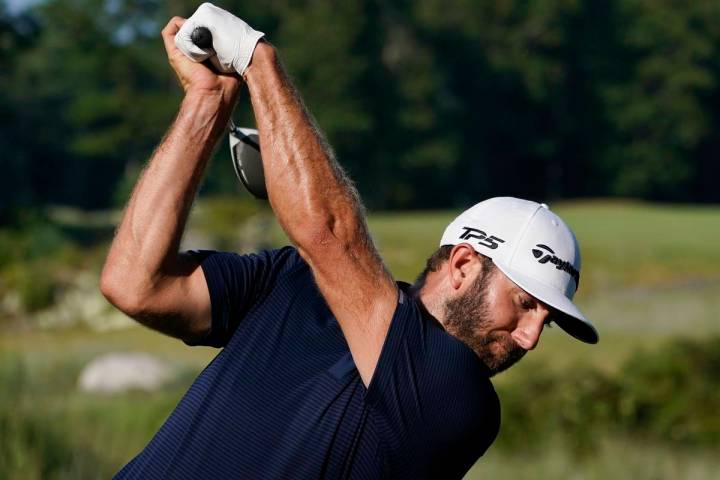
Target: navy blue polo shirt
(283,398)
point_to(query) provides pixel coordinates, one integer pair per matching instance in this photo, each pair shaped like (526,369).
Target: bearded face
(469,318)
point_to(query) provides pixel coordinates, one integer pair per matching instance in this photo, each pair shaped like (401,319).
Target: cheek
(501,311)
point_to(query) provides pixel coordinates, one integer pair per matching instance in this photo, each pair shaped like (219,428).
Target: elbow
(327,242)
(315,242)
(118,289)
(326,230)
(109,285)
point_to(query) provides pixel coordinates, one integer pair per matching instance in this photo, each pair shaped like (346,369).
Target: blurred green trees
(667,395)
(428,104)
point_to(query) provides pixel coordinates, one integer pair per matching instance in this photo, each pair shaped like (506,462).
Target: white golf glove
(233,40)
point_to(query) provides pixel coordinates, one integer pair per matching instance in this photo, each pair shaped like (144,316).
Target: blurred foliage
(666,395)
(31,447)
(655,262)
(44,258)
(664,399)
(35,262)
(562,418)
(41,439)
(36,288)
(543,99)
(673,395)
(223,219)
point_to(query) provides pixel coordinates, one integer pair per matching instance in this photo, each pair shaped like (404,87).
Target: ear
(463,264)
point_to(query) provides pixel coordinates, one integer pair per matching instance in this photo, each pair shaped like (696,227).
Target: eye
(527,303)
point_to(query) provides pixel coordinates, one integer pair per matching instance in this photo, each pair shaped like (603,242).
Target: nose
(529,327)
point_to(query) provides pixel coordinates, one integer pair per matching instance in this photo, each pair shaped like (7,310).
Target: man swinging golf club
(329,368)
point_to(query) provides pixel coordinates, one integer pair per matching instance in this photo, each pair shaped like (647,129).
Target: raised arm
(144,275)
(320,211)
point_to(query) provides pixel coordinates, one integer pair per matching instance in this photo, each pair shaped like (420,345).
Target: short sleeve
(236,283)
(434,406)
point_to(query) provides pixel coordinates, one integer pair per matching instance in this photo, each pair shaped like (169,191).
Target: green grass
(627,244)
(50,429)
(650,273)
(623,244)
(615,458)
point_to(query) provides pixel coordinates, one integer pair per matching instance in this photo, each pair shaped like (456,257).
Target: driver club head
(245,153)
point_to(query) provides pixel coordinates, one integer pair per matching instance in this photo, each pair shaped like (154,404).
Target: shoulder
(460,398)
(463,397)
(432,400)
(286,252)
(425,371)
(462,408)
(278,259)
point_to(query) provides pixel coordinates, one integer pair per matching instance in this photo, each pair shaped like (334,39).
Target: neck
(430,296)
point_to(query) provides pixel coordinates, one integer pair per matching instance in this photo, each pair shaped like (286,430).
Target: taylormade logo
(548,256)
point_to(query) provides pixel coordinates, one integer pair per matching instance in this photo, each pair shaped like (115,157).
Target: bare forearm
(308,191)
(320,211)
(147,241)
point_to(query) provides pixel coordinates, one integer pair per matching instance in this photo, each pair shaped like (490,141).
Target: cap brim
(572,320)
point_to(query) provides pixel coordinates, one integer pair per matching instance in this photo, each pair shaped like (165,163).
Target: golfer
(328,368)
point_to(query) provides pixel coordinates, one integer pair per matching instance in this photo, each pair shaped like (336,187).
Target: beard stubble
(469,319)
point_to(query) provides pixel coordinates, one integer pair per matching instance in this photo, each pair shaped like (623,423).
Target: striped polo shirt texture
(283,398)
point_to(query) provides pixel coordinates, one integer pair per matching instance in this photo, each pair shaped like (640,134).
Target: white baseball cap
(533,247)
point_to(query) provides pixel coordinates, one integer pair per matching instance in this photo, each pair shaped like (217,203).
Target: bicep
(203,297)
(361,294)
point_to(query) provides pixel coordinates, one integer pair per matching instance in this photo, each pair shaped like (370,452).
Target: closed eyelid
(528,301)
(526,298)
(516,290)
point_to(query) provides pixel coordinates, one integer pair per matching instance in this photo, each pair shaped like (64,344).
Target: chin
(499,352)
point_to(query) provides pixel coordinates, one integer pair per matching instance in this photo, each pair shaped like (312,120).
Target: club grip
(202,37)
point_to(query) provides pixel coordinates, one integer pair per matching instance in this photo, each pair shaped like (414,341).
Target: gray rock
(121,372)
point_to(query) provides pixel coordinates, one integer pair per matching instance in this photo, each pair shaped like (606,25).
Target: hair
(440,256)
